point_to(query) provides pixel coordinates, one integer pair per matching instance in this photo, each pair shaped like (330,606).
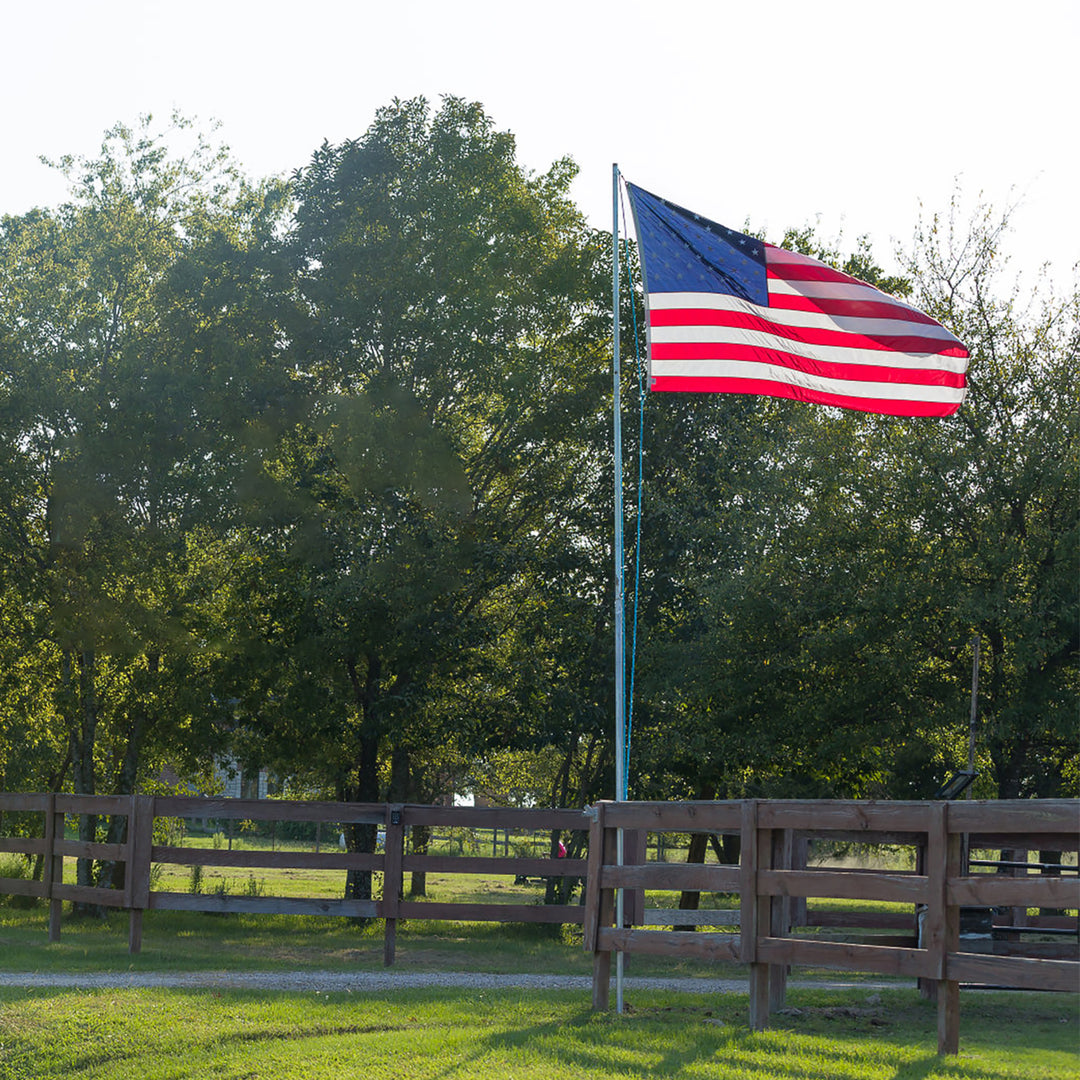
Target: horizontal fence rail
(768,879)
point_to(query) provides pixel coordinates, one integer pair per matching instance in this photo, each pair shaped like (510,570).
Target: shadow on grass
(628,1047)
(693,1041)
(552,1033)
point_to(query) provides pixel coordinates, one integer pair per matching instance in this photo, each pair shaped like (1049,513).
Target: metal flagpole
(973,721)
(620,628)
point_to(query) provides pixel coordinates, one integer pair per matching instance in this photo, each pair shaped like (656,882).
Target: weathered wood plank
(135,929)
(999,890)
(603,848)
(843,884)
(715,947)
(270,810)
(683,817)
(1016,816)
(592,881)
(263,905)
(695,917)
(141,844)
(850,836)
(759,996)
(847,955)
(783,849)
(87,894)
(86,849)
(1043,950)
(1024,972)
(861,920)
(23,845)
(674,877)
(935,920)
(298,860)
(393,881)
(763,843)
(1054,922)
(54,865)
(748,873)
(92,804)
(19,802)
(495,865)
(1033,841)
(22,887)
(861,817)
(525,913)
(948,989)
(490,817)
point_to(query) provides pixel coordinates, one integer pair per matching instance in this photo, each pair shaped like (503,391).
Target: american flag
(729,313)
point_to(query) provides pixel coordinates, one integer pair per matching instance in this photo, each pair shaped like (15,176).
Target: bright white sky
(845,113)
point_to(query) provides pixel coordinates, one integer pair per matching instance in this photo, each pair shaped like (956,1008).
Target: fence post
(634,854)
(599,905)
(949,995)
(754,910)
(941,932)
(779,915)
(53,873)
(393,879)
(140,847)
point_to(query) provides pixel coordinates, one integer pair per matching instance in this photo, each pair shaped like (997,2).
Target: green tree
(455,340)
(821,573)
(999,511)
(138,336)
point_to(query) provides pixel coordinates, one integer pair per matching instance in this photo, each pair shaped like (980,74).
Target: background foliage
(317,475)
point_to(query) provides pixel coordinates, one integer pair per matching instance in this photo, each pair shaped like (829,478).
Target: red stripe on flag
(705,351)
(799,271)
(809,335)
(890,406)
(867,309)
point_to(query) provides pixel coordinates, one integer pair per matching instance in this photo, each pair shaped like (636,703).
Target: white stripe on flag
(834,354)
(738,369)
(850,324)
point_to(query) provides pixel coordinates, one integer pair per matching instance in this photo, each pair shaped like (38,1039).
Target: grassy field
(194,941)
(172,1035)
(191,941)
(175,1034)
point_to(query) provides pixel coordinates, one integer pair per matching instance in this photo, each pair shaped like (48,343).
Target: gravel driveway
(341,982)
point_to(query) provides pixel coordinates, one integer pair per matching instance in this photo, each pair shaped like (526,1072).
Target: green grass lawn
(441,1033)
(171,1035)
(195,941)
(453,1033)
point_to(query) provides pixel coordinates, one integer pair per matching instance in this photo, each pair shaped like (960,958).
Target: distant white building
(236,784)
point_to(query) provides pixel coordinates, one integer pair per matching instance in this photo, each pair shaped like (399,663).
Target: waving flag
(729,313)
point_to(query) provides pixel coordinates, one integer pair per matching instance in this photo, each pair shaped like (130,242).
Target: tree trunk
(56,782)
(111,874)
(358,837)
(362,838)
(82,755)
(421,837)
(559,889)
(699,845)
(688,900)
(1051,861)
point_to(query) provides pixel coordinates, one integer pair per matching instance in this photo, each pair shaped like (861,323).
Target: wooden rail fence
(139,852)
(771,885)
(771,881)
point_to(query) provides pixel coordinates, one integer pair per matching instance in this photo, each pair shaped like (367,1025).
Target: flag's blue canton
(684,252)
